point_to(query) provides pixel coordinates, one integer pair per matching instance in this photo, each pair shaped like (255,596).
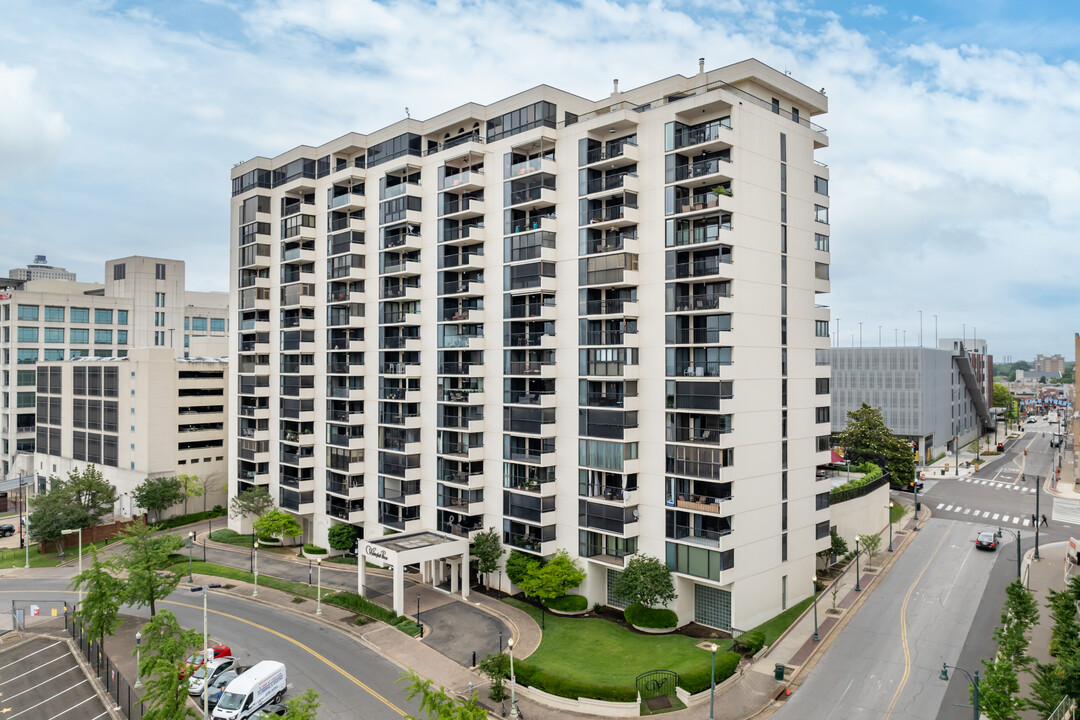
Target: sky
(952,124)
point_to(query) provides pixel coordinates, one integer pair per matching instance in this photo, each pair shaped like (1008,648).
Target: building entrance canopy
(432,551)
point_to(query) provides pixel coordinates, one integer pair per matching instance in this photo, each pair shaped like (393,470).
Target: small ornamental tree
(518,565)
(92,492)
(158,495)
(99,611)
(253,501)
(342,537)
(145,557)
(192,488)
(164,648)
(871,546)
(278,524)
(553,578)
(497,669)
(487,551)
(437,704)
(51,513)
(645,581)
(302,707)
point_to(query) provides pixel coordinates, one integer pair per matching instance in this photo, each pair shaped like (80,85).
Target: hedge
(726,665)
(638,614)
(363,606)
(535,677)
(872,473)
(310,549)
(752,641)
(569,603)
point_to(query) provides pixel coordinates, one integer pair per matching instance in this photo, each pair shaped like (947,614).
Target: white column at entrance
(423,572)
(399,588)
(361,574)
(440,571)
(465,575)
(452,562)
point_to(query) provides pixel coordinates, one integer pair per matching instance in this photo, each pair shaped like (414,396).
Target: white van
(263,683)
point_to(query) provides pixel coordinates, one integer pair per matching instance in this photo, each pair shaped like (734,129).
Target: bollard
(473,659)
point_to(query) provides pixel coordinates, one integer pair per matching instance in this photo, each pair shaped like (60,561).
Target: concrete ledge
(569,613)
(587,706)
(653,631)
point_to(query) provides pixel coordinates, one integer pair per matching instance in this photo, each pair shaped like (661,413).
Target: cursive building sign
(377,553)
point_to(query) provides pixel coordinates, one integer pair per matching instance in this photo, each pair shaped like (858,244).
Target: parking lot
(41,680)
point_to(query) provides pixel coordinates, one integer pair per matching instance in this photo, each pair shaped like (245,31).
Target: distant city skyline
(947,195)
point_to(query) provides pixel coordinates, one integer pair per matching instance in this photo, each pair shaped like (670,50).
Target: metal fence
(1063,710)
(117,687)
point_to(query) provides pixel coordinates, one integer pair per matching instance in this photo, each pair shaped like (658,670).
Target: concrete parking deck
(40,679)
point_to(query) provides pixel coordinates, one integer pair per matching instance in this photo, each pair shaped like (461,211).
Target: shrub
(533,676)
(752,641)
(310,549)
(269,540)
(598,608)
(650,617)
(568,603)
(217,511)
(363,606)
(696,681)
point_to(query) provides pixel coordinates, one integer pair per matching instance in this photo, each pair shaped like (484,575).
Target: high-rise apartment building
(147,414)
(1050,363)
(590,325)
(41,270)
(143,303)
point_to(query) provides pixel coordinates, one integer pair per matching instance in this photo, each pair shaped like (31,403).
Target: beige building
(41,270)
(591,325)
(143,303)
(1049,363)
(144,415)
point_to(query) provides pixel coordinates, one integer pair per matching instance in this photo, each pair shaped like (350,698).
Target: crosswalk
(996,484)
(1064,511)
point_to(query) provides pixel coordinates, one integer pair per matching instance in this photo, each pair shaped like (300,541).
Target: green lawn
(228,573)
(600,652)
(898,511)
(775,628)
(16,557)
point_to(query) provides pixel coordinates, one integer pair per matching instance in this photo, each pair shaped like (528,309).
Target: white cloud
(31,132)
(872,11)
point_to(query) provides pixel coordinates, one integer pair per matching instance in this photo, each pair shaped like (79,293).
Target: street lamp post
(72,532)
(255,567)
(858,588)
(816,638)
(205,648)
(24,537)
(318,596)
(974,681)
(1023,479)
(1018,552)
(418,616)
(712,680)
(889,507)
(190,545)
(513,680)
(138,658)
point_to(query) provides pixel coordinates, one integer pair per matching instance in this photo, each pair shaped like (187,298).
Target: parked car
(218,684)
(909,486)
(1033,419)
(6,530)
(263,683)
(214,668)
(197,659)
(270,711)
(986,541)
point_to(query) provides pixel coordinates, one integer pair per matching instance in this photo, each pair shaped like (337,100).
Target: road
(885,663)
(352,680)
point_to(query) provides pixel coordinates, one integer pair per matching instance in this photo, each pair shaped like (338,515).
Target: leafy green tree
(1002,396)
(999,695)
(870,546)
(158,495)
(302,707)
(1063,636)
(866,437)
(837,548)
(518,565)
(192,488)
(553,578)
(53,512)
(145,555)
(91,491)
(437,704)
(99,610)
(164,648)
(253,501)
(497,669)
(278,524)
(487,550)
(645,581)
(342,536)
(999,690)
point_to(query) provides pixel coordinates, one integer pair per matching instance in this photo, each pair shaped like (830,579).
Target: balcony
(464,235)
(343,513)
(532,369)
(404,241)
(465,181)
(611,184)
(402,369)
(471,481)
(298,255)
(613,216)
(466,288)
(704,172)
(463,208)
(465,315)
(462,451)
(612,308)
(539,196)
(715,135)
(700,202)
(396,394)
(532,340)
(347,202)
(546,223)
(470,369)
(537,399)
(465,261)
(340,392)
(530,167)
(405,293)
(614,155)
(529,544)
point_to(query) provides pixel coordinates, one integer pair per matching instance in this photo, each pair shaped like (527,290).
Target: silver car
(217,685)
(212,670)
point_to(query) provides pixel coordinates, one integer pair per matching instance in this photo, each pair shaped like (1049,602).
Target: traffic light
(1025,451)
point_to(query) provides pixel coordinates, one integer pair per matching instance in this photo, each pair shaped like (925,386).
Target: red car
(214,652)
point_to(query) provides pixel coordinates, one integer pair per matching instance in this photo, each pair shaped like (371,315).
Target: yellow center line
(301,645)
(903,626)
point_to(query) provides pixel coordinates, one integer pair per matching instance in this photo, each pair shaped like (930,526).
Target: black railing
(839,496)
(117,687)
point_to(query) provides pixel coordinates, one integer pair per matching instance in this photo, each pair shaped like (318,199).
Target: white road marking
(968,511)
(1005,518)
(33,670)
(1026,521)
(92,697)
(996,516)
(43,682)
(1066,510)
(948,509)
(30,655)
(987,514)
(939,506)
(47,699)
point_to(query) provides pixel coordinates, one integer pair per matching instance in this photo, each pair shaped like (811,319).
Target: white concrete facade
(539,316)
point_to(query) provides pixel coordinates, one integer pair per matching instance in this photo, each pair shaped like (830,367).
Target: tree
(342,537)
(487,551)
(837,548)
(1002,396)
(871,545)
(158,495)
(53,512)
(518,564)
(437,704)
(302,707)
(645,580)
(207,483)
(92,492)
(99,611)
(553,578)
(191,487)
(278,524)
(164,648)
(866,437)
(145,557)
(999,695)
(253,501)
(497,669)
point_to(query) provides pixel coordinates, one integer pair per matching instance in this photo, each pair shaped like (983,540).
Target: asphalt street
(352,680)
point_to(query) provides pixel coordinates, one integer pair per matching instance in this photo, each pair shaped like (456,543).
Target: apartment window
(119,271)
(783,300)
(121,317)
(783,361)
(783,423)
(28,334)
(821,414)
(783,485)
(821,386)
(821,214)
(121,337)
(217,324)
(783,147)
(823,443)
(54,335)
(795,114)
(783,331)
(821,501)
(783,208)
(26,378)
(159,271)
(783,545)
(54,313)
(821,185)
(821,329)
(198,324)
(28,312)
(80,315)
(74,354)
(27,355)
(783,269)
(783,461)
(103,337)
(821,242)
(776,107)
(783,238)
(79,336)
(187,323)
(822,530)
(102,316)
(783,177)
